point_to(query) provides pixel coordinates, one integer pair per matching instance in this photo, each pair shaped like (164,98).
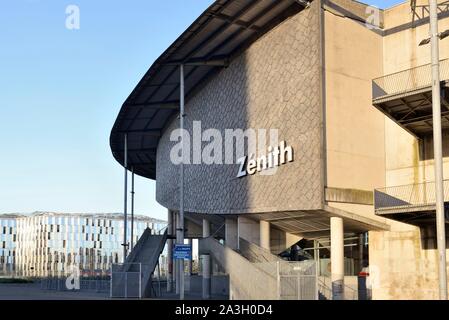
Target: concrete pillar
(206,264)
(265,235)
(361,247)
(170,233)
(206,228)
(337,258)
(231,233)
(189,262)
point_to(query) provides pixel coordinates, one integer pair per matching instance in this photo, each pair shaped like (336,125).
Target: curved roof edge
(223,31)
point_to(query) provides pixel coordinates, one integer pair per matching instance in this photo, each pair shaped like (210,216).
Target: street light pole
(132,209)
(125,200)
(181,193)
(437,149)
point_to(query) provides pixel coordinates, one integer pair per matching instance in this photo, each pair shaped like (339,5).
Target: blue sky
(61,90)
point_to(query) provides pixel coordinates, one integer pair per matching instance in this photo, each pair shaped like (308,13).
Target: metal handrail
(406,196)
(408,80)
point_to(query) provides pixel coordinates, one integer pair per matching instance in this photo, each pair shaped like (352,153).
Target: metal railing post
(126,284)
(278,280)
(140,280)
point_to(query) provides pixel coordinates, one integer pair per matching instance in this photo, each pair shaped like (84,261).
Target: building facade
(347,87)
(51,244)
(8,241)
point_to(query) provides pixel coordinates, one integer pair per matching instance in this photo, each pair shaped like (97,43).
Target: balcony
(406,98)
(413,203)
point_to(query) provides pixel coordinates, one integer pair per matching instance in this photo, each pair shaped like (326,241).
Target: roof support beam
(240,23)
(145,150)
(217,62)
(250,24)
(150,132)
(220,30)
(423,118)
(169,105)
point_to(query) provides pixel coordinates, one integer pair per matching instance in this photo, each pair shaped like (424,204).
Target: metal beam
(220,30)
(422,118)
(213,62)
(170,105)
(188,37)
(152,132)
(240,23)
(144,150)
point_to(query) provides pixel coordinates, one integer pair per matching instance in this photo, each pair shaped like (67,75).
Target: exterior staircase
(142,261)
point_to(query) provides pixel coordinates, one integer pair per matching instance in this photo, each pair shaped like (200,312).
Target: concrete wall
(275,84)
(404,262)
(366,150)
(355,141)
(245,280)
(280,240)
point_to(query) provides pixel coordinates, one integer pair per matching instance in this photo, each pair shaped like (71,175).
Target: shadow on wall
(426,146)
(428,237)
(274,84)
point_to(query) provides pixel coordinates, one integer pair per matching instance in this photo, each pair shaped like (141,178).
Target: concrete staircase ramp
(133,278)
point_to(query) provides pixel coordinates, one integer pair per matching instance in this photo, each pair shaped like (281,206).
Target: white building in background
(8,237)
(48,244)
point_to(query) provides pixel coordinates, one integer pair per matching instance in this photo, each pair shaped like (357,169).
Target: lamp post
(437,144)
(181,193)
(125,200)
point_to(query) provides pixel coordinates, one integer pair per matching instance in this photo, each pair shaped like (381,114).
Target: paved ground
(34,292)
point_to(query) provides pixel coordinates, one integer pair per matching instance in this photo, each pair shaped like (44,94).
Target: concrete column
(189,262)
(170,233)
(337,258)
(265,235)
(361,245)
(231,233)
(206,228)
(206,264)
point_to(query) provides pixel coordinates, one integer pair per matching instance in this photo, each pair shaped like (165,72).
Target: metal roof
(223,31)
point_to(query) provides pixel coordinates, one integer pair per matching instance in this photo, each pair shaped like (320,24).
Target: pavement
(33,291)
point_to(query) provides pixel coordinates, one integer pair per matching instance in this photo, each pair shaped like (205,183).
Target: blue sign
(182,251)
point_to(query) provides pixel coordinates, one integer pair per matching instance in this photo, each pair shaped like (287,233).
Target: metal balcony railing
(408,80)
(408,198)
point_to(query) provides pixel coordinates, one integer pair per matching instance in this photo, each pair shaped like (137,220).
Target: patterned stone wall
(273,84)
